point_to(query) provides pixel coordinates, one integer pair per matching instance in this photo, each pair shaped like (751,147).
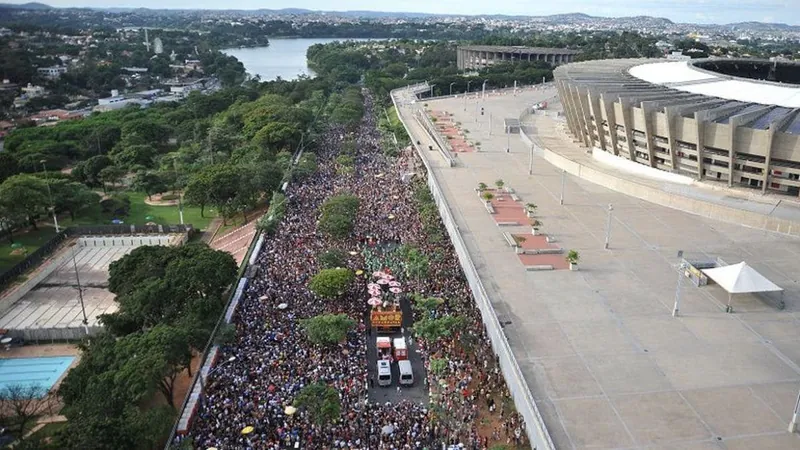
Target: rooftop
(519,49)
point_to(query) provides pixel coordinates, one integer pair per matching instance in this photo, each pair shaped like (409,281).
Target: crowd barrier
(520,393)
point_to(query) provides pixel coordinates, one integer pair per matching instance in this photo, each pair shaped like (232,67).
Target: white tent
(740,279)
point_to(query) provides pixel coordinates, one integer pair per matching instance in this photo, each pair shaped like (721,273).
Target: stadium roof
(684,77)
(519,49)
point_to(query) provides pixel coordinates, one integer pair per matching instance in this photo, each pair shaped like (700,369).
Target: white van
(406,374)
(384,373)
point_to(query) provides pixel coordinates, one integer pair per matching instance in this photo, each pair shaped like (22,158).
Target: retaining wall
(44,271)
(520,393)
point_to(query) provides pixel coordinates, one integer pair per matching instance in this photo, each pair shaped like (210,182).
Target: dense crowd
(274,361)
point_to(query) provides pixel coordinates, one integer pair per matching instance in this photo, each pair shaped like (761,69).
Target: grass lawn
(48,430)
(30,239)
(140,211)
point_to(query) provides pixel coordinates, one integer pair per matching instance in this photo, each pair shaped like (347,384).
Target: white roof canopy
(740,279)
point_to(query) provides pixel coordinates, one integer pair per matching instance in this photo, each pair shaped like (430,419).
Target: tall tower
(158,46)
(146,41)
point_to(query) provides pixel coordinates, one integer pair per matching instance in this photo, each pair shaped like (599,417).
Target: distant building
(53,72)
(117,101)
(678,56)
(475,57)
(135,69)
(32,91)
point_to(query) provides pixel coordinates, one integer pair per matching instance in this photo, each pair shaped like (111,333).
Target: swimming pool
(42,372)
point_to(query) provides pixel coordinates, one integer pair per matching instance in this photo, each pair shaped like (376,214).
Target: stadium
(730,121)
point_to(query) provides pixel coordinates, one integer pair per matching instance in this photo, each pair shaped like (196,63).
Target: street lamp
(210,372)
(608,225)
(80,289)
(681,268)
(50,195)
(180,202)
(465,95)
(432,90)
(451,87)
(483,91)
(563,176)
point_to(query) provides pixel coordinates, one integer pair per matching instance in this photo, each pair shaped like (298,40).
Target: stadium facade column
(773,127)
(649,112)
(671,113)
(563,94)
(700,118)
(627,124)
(582,99)
(597,114)
(734,123)
(611,121)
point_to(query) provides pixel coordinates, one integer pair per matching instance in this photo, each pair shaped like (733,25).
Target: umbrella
(374,301)
(395,290)
(212,448)
(394,283)
(395,197)
(388,277)
(290,410)
(359,272)
(373,286)
(383,281)
(391,216)
(149,217)
(247,430)
(378,274)
(283,306)
(263,297)
(353,253)
(16,245)
(388,429)
(117,222)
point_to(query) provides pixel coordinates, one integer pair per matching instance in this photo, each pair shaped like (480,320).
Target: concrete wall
(638,169)
(523,400)
(128,241)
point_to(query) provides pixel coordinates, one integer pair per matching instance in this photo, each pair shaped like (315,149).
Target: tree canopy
(331,283)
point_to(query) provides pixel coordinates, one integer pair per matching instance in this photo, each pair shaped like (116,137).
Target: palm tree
(488,196)
(482,187)
(500,183)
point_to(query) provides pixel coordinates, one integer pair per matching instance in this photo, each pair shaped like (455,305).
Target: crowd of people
(469,407)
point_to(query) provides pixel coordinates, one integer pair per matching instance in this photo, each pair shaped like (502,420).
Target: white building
(52,72)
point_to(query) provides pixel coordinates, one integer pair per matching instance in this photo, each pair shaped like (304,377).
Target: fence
(535,429)
(33,260)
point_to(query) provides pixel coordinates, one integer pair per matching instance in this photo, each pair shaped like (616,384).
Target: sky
(692,11)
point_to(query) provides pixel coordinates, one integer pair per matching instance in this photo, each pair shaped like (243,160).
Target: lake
(285,58)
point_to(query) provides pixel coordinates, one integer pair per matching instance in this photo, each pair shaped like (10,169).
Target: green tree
(434,329)
(111,175)
(331,283)
(72,197)
(149,182)
(129,156)
(320,401)
(327,329)
(8,166)
(23,197)
(88,172)
(415,263)
(338,215)
(333,258)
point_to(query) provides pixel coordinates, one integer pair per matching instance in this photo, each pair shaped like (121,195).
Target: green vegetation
(277,208)
(339,215)
(327,329)
(24,244)
(432,330)
(333,258)
(320,401)
(169,299)
(331,283)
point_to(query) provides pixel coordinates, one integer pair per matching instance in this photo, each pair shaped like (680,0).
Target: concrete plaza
(608,365)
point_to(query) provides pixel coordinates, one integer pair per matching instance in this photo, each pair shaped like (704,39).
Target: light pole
(80,290)
(466,93)
(563,176)
(676,307)
(180,201)
(490,124)
(515,88)
(483,90)
(608,225)
(451,88)
(50,195)
(793,423)
(432,90)
(508,140)
(530,161)
(202,384)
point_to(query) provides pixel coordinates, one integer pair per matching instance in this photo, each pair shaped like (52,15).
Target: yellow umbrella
(354,253)
(212,448)
(247,430)
(359,272)
(290,410)
(391,216)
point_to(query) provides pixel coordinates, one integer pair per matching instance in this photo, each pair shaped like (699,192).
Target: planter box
(573,267)
(535,231)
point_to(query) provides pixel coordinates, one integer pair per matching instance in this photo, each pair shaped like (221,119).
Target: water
(39,372)
(285,58)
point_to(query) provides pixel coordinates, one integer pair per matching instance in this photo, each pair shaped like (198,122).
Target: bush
(118,205)
(338,215)
(327,329)
(331,283)
(332,259)
(277,208)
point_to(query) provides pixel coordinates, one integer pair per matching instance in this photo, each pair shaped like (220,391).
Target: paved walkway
(606,362)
